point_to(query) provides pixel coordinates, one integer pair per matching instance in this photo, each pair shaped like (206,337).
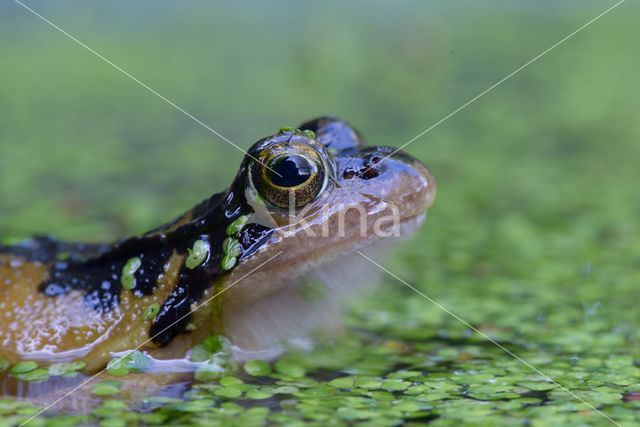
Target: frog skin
(73,301)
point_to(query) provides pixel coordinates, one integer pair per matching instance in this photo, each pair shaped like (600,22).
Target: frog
(236,265)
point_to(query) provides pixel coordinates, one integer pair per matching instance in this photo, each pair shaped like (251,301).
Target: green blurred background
(535,228)
(89,154)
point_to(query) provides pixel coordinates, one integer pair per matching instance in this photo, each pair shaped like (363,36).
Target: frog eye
(290,170)
(289,178)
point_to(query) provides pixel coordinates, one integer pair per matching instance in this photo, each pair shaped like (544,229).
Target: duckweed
(197,254)
(237,225)
(257,368)
(138,361)
(258,394)
(232,247)
(228,381)
(128,279)
(209,372)
(228,392)
(309,133)
(216,343)
(106,388)
(134,361)
(66,369)
(35,375)
(23,367)
(290,368)
(209,348)
(228,262)
(117,367)
(151,311)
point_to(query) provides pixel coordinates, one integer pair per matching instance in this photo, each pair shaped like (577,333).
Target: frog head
(325,197)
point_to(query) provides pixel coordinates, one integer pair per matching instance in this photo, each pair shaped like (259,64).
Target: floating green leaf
(36,375)
(117,367)
(65,369)
(106,388)
(232,247)
(128,279)
(133,361)
(258,394)
(138,361)
(230,392)
(228,262)
(23,367)
(209,372)
(151,311)
(257,368)
(237,225)
(216,343)
(290,368)
(197,254)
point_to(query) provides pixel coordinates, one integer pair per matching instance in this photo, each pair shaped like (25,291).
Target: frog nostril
(369,173)
(365,172)
(349,174)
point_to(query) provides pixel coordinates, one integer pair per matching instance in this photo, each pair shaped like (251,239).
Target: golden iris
(287,177)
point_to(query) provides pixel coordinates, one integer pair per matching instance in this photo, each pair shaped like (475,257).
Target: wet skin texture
(66,301)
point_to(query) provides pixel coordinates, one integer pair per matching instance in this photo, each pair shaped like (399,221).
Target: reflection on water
(72,395)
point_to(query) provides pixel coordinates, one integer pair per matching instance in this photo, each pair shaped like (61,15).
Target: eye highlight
(289,175)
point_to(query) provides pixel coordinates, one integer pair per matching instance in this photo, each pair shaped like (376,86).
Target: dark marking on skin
(100,277)
(211,225)
(101,285)
(97,270)
(175,314)
(150,271)
(252,237)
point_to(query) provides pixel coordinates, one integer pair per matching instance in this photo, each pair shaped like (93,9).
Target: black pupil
(290,171)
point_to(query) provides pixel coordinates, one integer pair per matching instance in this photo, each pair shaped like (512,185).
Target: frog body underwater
(240,255)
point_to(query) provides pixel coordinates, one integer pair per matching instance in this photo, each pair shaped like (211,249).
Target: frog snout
(413,186)
(394,176)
